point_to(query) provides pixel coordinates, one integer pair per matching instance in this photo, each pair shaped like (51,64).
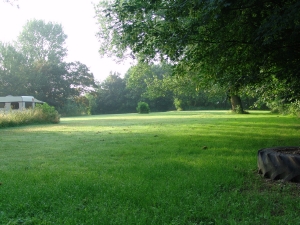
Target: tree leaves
(36,66)
(234,43)
(42,41)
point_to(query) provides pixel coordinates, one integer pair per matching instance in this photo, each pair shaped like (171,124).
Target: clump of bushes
(40,114)
(292,108)
(179,105)
(46,114)
(143,107)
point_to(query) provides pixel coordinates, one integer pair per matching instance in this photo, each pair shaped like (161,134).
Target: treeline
(155,85)
(248,48)
(35,65)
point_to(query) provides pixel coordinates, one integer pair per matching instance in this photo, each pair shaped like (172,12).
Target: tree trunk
(236,104)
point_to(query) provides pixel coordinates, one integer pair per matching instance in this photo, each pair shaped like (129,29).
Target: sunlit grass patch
(160,168)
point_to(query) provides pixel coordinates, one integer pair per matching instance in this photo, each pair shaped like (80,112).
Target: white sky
(77,19)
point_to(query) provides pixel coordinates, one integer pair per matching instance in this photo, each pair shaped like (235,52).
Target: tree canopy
(233,43)
(35,65)
(42,41)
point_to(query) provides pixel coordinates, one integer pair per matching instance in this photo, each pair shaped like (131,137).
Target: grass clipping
(39,115)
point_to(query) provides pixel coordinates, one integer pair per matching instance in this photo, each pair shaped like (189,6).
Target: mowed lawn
(196,167)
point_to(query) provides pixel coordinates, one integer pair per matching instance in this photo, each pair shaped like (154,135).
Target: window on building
(15,105)
(28,105)
(2,104)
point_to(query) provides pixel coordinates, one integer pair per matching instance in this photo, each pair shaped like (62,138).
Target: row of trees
(35,65)
(208,51)
(245,47)
(155,85)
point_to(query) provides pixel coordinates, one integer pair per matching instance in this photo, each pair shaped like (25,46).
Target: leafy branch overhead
(233,43)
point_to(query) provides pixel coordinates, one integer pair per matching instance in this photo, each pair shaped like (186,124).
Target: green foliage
(154,84)
(233,44)
(110,96)
(40,114)
(279,96)
(294,108)
(179,105)
(146,169)
(13,71)
(73,108)
(42,41)
(47,113)
(35,66)
(143,83)
(92,104)
(143,107)
(277,107)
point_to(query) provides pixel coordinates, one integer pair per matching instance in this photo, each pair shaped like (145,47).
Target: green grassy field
(196,167)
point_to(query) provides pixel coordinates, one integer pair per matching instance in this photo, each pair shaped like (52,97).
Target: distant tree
(80,79)
(42,41)
(57,83)
(189,93)
(13,79)
(35,66)
(157,85)
(139,82)
(110,97)
(46,82)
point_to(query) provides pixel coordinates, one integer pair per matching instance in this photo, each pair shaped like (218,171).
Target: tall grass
(158,168)
(41,114)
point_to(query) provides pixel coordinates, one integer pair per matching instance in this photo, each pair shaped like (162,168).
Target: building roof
(11,98)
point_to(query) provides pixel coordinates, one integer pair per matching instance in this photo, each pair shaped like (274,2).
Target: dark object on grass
(280,163)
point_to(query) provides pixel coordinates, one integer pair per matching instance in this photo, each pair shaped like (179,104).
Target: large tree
(42,41)
(13,79)
(35,66)
(110,96)
(232,43)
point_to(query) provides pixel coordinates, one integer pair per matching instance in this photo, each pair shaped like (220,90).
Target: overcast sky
(77,19)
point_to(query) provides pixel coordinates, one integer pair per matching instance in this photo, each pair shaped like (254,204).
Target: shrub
(178,104)
(46,113)
(294,108)
(41,114)
(277,106)
(143,107)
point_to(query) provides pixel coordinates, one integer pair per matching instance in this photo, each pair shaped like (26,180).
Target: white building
(17,102)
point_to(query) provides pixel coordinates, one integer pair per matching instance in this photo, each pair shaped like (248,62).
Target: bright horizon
(78,22)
